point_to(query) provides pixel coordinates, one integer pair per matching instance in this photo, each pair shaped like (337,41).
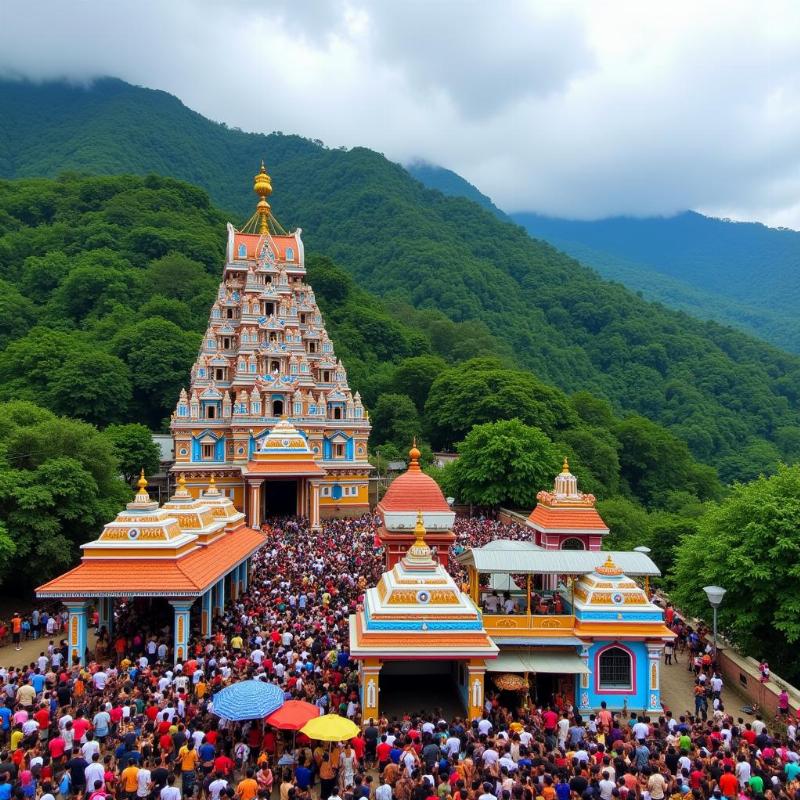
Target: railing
(505,624)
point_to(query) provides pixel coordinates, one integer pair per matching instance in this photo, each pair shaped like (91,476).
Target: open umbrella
(330,728)
(292,715)
(248,700)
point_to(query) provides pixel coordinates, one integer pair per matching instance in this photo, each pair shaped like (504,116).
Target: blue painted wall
(637,697)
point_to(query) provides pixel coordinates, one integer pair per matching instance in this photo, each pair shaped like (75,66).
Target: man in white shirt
(484,726)
(606,786)
(143,782)
(452,746)
(170,791)
(641,730)
(216,787)
(94,772)
(99,679)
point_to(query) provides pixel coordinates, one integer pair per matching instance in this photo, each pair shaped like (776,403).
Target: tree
(395,420)
(414,377)
(480,391)
(59,483)
(502,463)
(748,544)
(627,521)
(134,449)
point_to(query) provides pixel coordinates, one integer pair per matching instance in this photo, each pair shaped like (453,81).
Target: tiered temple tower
(269,411)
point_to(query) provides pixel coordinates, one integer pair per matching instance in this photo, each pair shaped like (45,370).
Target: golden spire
(142,483)
(262,186)
(608,567)
(212,483)
(181,480)
(419,531)
(414,455)
(565,466)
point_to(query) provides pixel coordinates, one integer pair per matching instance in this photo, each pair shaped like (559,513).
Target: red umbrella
(292,715)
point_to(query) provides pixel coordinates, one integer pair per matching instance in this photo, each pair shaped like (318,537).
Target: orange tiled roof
(414,491)
(191,574)
(561,519)
(279,243)
(308,467)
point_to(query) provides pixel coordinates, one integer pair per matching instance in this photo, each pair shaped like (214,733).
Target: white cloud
(570,108)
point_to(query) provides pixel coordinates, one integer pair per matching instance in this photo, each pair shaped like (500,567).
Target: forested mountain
(741,273)
(436,260)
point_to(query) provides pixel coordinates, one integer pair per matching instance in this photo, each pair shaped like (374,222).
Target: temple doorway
(421,686)
(279,498)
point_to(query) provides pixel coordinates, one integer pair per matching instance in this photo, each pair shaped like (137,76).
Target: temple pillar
(254,503)
(77,630)
(233,578)
(105,611)
(583,695)
(208,614)
(370,690)
(314,513)
(654,652)
(476,671)
(219,597)
(181,609)
(246,574)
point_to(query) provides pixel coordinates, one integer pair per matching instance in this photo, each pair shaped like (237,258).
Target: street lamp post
(714,595)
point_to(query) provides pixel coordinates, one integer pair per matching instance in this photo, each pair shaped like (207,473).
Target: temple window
(219,374)
(358,413)
(572,544)
(208,452)
(298,409)
(269,308)
(253,367)
(277,408)
(337,413)
(201,373)
(242,251)
(326,491)
(226,342)
(615,669)
(289,254)
(275,366)
(215,313)
(229,313)
(312,347)
(182,410)
(312,409)
(326,376)
(211,412)
(338,450)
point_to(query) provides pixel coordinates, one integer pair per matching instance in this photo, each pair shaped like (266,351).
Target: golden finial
(142,483)
(181,480)
(419,531)
(414,455)
(212,481)
(262,186)
(609,567)
(565,466)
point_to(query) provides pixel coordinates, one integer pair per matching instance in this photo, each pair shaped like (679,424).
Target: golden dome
(142,482)
(262,183)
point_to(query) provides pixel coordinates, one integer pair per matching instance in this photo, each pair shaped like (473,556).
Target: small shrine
(566,518)
(411,493)
(415,617)
(190,549)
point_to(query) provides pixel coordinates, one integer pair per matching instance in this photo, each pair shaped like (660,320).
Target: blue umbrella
(248,700)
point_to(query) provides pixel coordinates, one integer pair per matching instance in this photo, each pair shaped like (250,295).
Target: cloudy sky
(579,109)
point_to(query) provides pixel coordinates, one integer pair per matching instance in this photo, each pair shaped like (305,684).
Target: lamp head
(714,595)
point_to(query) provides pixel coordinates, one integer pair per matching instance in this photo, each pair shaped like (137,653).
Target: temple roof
(284,451)
(417,610)
(190,575)
(566,509)
(414,490)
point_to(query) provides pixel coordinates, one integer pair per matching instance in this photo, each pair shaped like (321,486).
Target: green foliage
(58,484)
(504,462)
(749,545)
(395,420)
(134,449)
(480,391)
(464,281)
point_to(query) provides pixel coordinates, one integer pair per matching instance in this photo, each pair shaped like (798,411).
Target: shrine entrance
(279,498)
(420,686)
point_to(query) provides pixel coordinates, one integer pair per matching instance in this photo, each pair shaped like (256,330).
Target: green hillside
(436,260)
(739,273)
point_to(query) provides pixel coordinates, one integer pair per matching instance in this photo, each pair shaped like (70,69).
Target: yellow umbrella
(330,728)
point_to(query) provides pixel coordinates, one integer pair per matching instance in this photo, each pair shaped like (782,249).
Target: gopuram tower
(268,410)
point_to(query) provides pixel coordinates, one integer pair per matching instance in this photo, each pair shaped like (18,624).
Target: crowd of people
(132,725)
